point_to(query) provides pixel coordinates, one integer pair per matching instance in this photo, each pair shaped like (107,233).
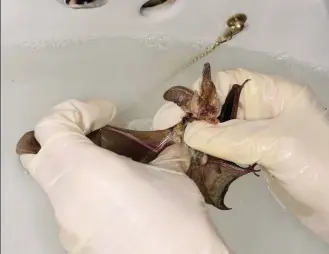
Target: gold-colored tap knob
(236,22)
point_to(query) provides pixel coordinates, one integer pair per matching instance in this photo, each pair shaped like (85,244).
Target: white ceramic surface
(298,28)
(51,53)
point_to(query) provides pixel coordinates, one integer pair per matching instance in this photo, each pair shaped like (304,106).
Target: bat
(213,176)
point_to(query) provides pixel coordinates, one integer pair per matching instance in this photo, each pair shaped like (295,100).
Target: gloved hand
(282,127)
(105,203)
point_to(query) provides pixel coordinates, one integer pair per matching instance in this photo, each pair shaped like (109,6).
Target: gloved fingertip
(238,141)
(100,113)
(167,116)
(192,128)
(27,160)
(106,108)
(197,132)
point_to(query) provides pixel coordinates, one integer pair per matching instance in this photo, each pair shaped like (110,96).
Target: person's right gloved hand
(282,127)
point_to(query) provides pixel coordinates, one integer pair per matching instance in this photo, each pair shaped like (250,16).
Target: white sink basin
(37,76)
(33,81)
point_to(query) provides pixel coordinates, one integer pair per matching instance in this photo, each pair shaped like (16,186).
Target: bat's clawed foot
(252,169)
(246,81)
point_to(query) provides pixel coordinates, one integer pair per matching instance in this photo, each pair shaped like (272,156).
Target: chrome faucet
(83,4)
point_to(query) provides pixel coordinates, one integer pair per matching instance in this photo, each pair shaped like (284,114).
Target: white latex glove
(105,203)
(282,127)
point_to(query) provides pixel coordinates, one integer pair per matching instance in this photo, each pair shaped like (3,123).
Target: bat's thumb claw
(222,206)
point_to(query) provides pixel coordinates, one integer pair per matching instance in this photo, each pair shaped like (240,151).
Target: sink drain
(155,6)
(82,4)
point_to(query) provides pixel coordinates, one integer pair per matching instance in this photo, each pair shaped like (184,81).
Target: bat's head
(204,105)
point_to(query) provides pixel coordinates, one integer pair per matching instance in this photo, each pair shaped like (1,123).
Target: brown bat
(213,176)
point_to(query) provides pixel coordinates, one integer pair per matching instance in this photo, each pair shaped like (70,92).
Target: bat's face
(205,110)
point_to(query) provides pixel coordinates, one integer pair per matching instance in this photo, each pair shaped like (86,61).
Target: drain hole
(155,5)
(80,4)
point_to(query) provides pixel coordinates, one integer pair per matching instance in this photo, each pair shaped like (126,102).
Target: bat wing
(27,144)
(214,179)
(195,172)
(230,107)
(141,146)
(219,175)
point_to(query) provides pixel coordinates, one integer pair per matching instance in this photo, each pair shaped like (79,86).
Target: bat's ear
(180,95)
(208,88)
(206,72)
(212,97)
(206,79)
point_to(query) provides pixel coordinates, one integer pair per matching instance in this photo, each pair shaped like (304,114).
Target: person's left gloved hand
(106,203)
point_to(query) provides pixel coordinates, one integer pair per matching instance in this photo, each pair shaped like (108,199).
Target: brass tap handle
(236,22)
(235,25)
